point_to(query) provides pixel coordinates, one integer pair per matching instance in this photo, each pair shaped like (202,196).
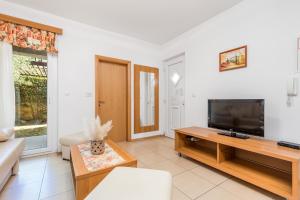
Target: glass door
(31,93)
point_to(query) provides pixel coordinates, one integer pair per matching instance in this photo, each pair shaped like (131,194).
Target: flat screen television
(244,116)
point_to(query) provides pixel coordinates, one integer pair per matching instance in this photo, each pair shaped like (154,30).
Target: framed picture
(233,59)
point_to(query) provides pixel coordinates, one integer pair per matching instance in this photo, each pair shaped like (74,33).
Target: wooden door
(111,98)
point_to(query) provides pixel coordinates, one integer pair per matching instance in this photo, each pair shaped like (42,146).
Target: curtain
(7,90)
(27,37)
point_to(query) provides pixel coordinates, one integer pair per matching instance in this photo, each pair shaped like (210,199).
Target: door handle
(100,102)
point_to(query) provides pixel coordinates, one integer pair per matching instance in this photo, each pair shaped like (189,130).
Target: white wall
(77,47)
(270,29)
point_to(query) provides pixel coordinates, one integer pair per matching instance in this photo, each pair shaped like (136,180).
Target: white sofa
(10,152)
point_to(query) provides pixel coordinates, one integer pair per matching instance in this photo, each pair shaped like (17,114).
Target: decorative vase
(97,147)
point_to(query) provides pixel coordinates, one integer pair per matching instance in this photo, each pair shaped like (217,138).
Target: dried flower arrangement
(97,133)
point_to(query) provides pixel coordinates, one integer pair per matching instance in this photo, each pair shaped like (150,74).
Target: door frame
(177,58)
(127,64)
(52,108)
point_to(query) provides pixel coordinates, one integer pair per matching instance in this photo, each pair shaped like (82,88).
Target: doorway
(113,95)
(35,99)
(175,85)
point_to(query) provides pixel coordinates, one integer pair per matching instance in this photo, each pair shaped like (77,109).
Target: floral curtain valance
(27,37)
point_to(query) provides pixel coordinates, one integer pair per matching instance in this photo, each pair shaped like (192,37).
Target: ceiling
(155,21)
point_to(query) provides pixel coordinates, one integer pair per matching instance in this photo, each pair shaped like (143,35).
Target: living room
(155,69)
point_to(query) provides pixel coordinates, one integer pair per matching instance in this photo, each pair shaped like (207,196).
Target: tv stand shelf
(257,161)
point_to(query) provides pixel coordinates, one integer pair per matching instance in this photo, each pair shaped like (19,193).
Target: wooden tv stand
(258,161)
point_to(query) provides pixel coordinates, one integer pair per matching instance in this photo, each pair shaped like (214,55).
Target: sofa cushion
(5,134)
(76,138)
(10,152)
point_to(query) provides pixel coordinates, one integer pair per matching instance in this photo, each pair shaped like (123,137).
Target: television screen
(239,115)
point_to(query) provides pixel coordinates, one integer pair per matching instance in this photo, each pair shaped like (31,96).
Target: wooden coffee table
(86,180)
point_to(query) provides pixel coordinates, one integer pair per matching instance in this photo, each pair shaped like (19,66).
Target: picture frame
(233,59)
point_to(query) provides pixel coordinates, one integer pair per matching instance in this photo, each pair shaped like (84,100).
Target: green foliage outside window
(30,93)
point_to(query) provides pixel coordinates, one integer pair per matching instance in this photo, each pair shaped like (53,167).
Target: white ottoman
(134,184)
(67,140)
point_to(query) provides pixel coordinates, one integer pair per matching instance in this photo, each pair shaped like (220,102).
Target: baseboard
(145,138)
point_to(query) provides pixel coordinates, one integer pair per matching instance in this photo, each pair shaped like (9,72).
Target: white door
(35,79)
(176,95)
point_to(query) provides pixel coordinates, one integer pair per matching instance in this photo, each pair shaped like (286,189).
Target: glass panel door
(30,77)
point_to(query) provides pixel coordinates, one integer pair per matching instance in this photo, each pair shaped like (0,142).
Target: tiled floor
(49,177)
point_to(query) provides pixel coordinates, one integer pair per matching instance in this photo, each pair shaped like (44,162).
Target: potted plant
(97,134)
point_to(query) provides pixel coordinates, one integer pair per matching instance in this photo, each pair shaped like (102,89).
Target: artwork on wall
(233,59)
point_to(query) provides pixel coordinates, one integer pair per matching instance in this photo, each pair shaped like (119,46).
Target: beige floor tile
(168,166)
(218,193)
(185,163)
(56,170)
(24,192)
(54,156)
(247,191)
(151,158)
(211,175)
(56,160)
(35,160)
(156,147)
(57,185)
(170,143)
(168,153)
(69,195)
(141,165)
(33,165)
(137,150)
(24,179)
(178,195)
(32,172)
(192,185)
(167,141)
(139,153)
